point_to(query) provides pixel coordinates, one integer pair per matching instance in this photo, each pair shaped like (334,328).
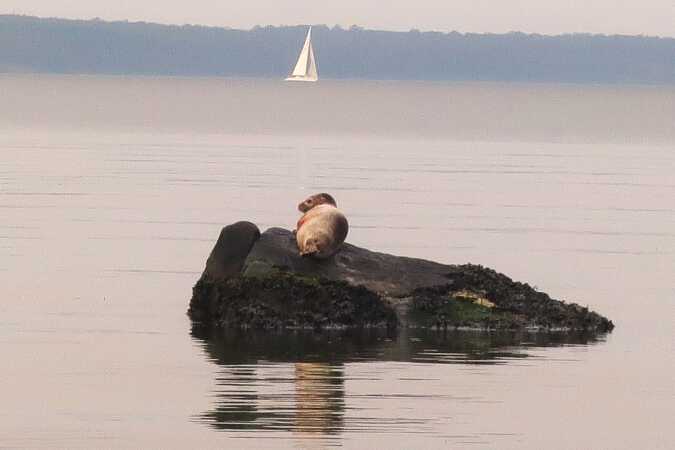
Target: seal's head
(315,200)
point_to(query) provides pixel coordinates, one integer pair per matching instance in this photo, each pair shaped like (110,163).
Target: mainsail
(305,68)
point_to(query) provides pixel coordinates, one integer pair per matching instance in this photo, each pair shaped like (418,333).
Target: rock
(233,246)
(272,287)
(388,274)
(285,300)
(225,262)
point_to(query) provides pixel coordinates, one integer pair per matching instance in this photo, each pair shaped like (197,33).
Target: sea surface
(113,191)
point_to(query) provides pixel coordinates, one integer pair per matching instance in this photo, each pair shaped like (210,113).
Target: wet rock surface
(478,297)
(259,281)
(379,272)
(285,300)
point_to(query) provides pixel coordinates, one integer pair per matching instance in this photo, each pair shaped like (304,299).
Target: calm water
(113,191)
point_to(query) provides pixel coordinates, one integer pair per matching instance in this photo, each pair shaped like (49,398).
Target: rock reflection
(295,381)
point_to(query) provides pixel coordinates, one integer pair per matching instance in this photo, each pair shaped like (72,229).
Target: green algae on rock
(478,297)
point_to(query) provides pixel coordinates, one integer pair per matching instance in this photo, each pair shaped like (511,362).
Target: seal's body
(322,228)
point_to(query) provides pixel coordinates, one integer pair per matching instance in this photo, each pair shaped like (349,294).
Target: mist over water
(419,111)
(113,191)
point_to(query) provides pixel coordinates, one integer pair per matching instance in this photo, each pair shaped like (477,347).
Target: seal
(322,228)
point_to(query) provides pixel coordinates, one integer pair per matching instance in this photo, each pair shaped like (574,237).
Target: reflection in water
(319,398)
(307,400)
(295,381)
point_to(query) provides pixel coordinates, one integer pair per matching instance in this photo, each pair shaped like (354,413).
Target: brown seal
(322,228)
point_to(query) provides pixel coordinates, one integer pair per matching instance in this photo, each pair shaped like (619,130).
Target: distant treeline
(29,44)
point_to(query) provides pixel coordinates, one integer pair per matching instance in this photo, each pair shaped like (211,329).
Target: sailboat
(305,68)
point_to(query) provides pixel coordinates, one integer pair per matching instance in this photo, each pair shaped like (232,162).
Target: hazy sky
(652,17)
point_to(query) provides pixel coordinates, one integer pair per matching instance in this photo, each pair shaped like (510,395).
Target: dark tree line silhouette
(29,44)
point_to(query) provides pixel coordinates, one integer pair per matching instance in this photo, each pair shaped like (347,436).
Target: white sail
(305,68)
(311,65)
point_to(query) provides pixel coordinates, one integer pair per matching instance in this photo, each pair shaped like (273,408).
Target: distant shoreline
(31,45)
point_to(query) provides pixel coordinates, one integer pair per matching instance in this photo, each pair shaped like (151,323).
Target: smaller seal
(322,228)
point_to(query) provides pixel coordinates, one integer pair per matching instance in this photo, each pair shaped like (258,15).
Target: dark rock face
(515,305)
(233,246)
(260,281)
(237,291)
(225,261)
(388,274)
(285,300)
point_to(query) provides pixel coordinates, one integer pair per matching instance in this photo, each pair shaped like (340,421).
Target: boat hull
(310,80)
